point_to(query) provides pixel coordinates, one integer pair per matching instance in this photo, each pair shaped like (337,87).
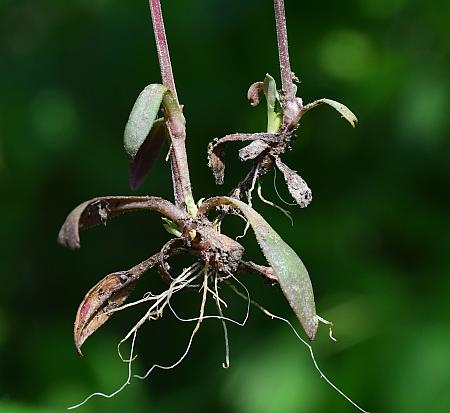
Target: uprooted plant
(218,258)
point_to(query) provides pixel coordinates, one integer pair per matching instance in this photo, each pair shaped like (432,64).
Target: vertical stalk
(162,46)
(175,121)
(283,52)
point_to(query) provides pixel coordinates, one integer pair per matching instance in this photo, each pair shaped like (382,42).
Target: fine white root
(226,364)
(242,323)
(154,312)
(220,317)
(160,301)
(276,189)
(330,326)
(215,294)
(203,304)
(157,308)
(125,384)
(311,352)
(249,194)
(247,226)
(272,204)
(168,153)
(197,326)
(178,283)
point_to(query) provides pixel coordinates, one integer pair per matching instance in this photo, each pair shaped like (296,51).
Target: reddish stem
(174,117)
(162,46)
(283,51)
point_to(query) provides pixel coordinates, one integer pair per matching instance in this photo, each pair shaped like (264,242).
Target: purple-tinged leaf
(289,269)
(107,295)
(147,154)
(142,117)
(298,188)
(255,93)
(102,209)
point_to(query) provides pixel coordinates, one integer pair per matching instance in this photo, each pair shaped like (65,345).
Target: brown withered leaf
(216,152)
(106,295)
(298,188)
(266,272)
(253,150)
(100,210)
(166,252)
(255,93)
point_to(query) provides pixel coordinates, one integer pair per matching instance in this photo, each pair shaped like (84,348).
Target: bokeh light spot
(347,55)
(54,118)
(381,8)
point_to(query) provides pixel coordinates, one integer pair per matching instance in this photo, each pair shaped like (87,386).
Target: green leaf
(274,111)
(142,117)
(289,269)
(171,227)
(346,113)
(270,90)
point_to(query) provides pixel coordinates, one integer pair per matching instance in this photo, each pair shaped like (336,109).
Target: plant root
(311,352)
(272,204)
(116,392)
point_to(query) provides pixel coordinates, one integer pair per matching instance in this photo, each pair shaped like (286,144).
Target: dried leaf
(266,272)
(253,150)
(105,296)
(216,163)
(216,151)
(346,113)
(289,269)
(255,92)
(142,117)
(147,154)
(100,210)
(298,188)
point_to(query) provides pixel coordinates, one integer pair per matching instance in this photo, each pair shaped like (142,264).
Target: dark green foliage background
(376,238)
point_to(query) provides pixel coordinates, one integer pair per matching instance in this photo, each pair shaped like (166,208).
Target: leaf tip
(78,347)
(255,91)
(311,328)
(68,239)
(345,112)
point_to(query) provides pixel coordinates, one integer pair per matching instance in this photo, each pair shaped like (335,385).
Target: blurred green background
(376,238)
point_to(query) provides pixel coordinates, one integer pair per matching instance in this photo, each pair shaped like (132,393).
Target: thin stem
(283,52)
(174,116)
(162,46)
